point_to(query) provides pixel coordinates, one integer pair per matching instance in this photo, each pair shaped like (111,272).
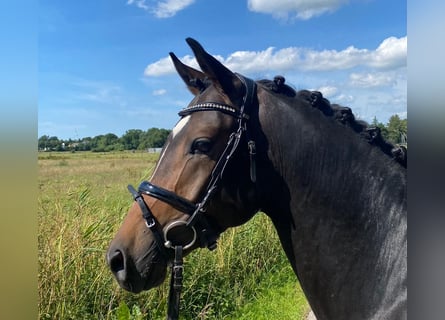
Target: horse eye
(201,146)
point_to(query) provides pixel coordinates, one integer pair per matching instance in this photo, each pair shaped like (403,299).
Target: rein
(200,224)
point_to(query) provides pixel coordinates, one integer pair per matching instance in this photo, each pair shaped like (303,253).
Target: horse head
(191,197)
(334,189)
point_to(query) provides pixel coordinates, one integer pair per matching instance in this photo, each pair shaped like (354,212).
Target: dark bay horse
(334,190)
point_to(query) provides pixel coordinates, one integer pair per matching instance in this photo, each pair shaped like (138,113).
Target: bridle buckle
(150,223)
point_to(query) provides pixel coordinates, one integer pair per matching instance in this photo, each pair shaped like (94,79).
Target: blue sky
(103,64)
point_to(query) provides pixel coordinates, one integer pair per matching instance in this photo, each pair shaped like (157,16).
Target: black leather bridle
(200,224)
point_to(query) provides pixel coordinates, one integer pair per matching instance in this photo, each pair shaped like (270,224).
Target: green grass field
(81,202)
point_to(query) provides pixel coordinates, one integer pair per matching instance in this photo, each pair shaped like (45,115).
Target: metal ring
(168,243)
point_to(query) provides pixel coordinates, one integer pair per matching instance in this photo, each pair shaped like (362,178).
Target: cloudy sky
(104,66)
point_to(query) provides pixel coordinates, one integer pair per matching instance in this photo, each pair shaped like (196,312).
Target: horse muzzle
(136,275)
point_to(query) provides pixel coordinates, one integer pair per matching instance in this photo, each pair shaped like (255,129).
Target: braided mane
(342,115)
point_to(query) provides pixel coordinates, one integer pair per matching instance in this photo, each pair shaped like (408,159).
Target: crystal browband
(208,106)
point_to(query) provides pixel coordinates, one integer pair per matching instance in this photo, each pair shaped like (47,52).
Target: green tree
(97,143)
(131,139)
(84,144)
(43,142)
(111,142)
(110,139)
(50,143)
(397,128)
(383,129)
(156,138)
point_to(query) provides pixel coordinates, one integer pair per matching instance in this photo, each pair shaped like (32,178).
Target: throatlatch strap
(249,100)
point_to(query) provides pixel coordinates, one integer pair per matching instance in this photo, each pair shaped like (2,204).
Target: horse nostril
(116,261)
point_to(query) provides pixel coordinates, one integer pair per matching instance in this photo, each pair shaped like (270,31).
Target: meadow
(82,200)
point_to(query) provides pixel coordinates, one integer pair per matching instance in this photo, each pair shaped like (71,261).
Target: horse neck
(339,206)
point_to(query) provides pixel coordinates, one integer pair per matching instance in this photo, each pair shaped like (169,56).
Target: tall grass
(82,201)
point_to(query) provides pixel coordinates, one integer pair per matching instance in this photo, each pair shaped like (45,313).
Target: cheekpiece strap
(150,220)
(249,96)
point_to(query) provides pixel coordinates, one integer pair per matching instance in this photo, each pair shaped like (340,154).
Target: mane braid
(340,114)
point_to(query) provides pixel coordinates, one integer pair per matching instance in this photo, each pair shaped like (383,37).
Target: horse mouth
(143,274)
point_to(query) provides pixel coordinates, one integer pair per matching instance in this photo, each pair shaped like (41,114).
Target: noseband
(202,226)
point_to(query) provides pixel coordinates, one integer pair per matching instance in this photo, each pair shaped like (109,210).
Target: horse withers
(336,199)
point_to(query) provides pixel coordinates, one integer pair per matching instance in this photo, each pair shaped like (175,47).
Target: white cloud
(102,92)
(368,80)
(251,61)
(160,68)
(328,91)
(390,54)
(345,99)
(138,3)
(165,66)
(301,9)
(159,92)
(168,8)
(162,9)
(326,60)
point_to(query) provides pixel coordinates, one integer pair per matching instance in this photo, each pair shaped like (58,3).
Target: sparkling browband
(210,106)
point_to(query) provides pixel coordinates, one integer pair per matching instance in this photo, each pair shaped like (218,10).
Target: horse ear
(194,79)
(218,73)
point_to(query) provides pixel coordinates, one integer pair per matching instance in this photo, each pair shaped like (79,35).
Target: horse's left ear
(193,78)
(218,73)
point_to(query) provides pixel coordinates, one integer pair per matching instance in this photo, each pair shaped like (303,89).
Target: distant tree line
(133,139)
(394,131)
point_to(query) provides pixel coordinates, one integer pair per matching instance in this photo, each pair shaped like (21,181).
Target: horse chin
(156,277)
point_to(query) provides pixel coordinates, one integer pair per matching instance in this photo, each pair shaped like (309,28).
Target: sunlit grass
(82,201)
